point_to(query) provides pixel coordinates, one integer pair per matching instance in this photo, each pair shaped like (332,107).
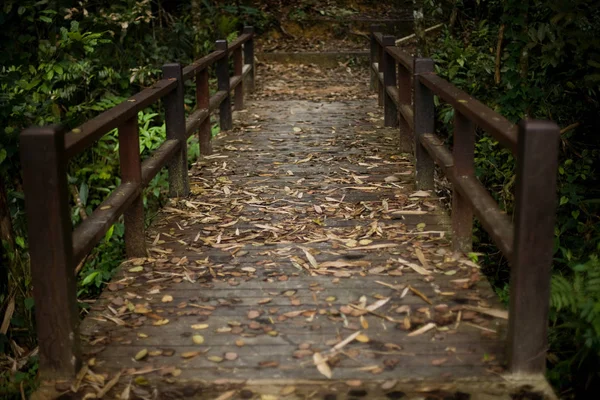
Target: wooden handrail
(55,248)
(407,90)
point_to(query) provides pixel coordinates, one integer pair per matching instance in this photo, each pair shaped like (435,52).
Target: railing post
(238,65)
(131,172)
(535,207)
(389,79)
(225,117)
(51,250)
(249,58)
(424,122)
(175,122)
(202,102)
(405,99)
(464,153)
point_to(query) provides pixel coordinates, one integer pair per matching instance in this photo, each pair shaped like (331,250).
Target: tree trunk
(197,21)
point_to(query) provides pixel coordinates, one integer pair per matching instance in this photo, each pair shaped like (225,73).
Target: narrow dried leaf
(199,326)
(322,365)
(423,329)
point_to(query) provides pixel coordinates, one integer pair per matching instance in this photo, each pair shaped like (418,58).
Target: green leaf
(109,234)
(20,241)
(90,278)
(2,155)
(29,303)
(84,191)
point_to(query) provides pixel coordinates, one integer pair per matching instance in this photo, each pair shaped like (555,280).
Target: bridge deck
(304,229)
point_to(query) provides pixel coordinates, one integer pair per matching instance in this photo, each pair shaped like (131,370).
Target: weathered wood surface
(303,217)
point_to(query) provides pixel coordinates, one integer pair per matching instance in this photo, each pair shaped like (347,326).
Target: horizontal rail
(493,123)
(90,231)
(407,113)
(239,42)
(495,222)
(234,81)
(159,158)
(216,99)
(203,63)
(81,138)
(193,122)
(401,57)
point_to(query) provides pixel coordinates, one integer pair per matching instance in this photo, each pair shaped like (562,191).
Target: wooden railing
(406,88)
(55,248)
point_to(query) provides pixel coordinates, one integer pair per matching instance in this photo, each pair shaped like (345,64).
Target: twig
(569,127)
(499,53)
(405,38)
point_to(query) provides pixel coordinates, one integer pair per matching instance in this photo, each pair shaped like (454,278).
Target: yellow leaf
(167,298)
(362,338)
(363,322)
(136,269)
(198,339)
(141,354)
(160,322)
(199,326)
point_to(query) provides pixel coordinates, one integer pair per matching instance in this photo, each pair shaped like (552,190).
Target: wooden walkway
(304,265)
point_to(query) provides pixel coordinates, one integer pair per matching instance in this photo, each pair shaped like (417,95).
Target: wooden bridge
(305,255)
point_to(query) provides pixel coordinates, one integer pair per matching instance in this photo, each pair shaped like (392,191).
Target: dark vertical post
(202,102)
(424,122)
(51,250)
(405,100)
(462,212)
(225,118)
(389,79)
(175,121)
(249,58)
(131,172)
(238,65)
(535,207)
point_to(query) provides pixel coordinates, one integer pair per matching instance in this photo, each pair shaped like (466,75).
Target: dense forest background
(64,61)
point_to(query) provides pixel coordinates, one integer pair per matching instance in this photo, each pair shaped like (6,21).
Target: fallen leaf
(422,329)
(167,298)
(362,338)
(198,339)
(322,365)
(199,326)
(141,354)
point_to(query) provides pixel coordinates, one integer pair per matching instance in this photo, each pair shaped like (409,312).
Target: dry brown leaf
(414,266)
(109,385)
(423,329)
(322,366)
(226,396)
(489,311)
